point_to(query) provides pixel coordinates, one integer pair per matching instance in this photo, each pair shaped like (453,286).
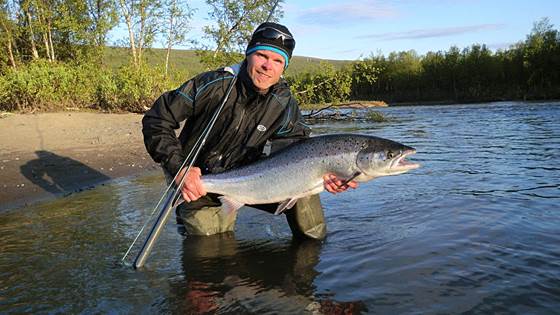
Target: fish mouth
(400,163)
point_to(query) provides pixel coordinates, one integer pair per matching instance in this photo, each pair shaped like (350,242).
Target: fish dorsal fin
(286,204)
(230,205)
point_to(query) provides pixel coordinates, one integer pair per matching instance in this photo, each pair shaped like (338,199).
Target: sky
(353,29)
(349,30)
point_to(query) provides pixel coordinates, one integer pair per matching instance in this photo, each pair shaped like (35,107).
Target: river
(476,229)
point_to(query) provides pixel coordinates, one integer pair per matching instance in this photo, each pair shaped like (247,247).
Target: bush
(375,116)
(327,86)
(4,92)
(130,89)
(52,86)
(43,85)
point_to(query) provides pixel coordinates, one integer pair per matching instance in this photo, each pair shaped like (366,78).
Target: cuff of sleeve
(173,164)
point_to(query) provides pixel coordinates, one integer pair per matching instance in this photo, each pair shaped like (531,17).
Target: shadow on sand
(60,175)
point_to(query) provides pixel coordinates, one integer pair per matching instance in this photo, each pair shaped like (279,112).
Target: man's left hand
(335,185)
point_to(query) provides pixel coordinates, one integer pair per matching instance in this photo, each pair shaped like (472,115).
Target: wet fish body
(297,171)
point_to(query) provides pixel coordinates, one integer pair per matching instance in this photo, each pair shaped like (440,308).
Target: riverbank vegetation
(527,70)
(55,57)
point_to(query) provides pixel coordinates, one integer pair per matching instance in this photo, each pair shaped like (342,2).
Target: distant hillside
(186,61)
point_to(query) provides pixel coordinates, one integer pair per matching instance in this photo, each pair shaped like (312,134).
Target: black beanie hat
(260,42)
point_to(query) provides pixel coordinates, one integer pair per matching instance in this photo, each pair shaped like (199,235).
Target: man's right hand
(192,188)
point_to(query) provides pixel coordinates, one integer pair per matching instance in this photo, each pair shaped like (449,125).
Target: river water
(476,229)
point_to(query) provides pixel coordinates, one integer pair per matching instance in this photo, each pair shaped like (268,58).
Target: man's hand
(192,188)
(335,185)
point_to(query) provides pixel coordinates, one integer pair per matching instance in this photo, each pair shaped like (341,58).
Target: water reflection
(51,253)
(475,230)
(224,274)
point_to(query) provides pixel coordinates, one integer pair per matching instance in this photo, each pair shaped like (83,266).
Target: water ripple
(474,230)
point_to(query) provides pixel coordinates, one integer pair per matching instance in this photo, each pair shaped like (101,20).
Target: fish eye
(390,155)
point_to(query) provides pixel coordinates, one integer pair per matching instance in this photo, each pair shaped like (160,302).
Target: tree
(452,63)
(178,14)
(141,18)
(542,61)
(102,16)
(234,24)
(364,75)
(7,29)
(433,75)
(54,29)
(29,22)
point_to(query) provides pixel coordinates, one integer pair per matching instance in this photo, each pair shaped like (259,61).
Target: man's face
(265,68)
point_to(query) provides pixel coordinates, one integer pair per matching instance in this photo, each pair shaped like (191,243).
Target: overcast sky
(337,29)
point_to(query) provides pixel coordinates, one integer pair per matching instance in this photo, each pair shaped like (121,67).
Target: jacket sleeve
(161,121)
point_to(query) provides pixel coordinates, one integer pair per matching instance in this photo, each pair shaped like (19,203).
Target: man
(260,108)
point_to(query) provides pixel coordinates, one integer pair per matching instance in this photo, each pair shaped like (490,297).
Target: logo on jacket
(261,128)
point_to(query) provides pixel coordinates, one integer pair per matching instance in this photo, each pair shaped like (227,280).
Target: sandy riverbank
(55,154)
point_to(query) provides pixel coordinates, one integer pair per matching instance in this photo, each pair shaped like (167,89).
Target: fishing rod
(173,192)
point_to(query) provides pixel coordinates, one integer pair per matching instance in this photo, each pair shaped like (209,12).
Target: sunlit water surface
(476,229)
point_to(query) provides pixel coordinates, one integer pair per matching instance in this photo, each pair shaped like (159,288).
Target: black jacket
(247,121)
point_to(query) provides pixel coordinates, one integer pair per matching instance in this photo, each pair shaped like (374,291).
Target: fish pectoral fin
(286,204)
(230,205)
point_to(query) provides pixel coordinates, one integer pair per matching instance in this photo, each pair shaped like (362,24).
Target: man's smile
(263,74)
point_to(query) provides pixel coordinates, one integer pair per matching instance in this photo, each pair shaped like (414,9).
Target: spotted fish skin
(297,171)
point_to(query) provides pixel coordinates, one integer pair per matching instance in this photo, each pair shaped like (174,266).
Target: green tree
(541,55)
(8,33)
(434,75)
(234,22)
(102,17)
(364,74)
(177,13)
(452,64)
(56,29)
(328,85)
(513,78)
(142,19)
(29,26)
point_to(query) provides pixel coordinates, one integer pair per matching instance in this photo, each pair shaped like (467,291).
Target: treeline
(52,50)
(329,84)
(527,70)
(77,30)
(53,58)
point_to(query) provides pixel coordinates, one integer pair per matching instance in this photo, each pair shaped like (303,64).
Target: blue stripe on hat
(271,48)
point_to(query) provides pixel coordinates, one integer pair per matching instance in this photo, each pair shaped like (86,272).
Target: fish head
(383,157)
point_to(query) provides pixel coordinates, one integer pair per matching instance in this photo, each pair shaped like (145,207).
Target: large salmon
(297,171)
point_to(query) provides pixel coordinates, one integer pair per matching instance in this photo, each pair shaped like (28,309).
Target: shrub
(375,116)
(42,85)
(326,86)
(131,89)
(53,86)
